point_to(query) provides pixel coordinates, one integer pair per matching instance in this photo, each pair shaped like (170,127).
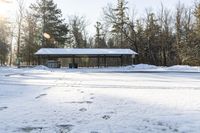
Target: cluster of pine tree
(4,40)
(164,38)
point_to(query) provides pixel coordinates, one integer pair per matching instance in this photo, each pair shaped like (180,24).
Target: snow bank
(177,68)
(41,67)
(144,66)
(132,68)
(183,68)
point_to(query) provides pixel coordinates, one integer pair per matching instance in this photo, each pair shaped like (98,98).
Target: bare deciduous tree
(20,17)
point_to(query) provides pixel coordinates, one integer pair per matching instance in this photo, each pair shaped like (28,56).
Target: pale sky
(92,9)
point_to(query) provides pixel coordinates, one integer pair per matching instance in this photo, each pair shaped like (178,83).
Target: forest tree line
(163,37)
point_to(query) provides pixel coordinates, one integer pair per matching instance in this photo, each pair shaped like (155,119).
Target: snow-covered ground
(111,100)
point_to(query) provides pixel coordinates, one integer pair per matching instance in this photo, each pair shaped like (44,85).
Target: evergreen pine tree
(152,34)
(121,20)
(4,34)
(99,37)
(77,26)
(30,39)
(53,28)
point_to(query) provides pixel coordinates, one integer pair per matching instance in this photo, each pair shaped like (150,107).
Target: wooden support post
(132,60)
(98,62)
(38,60)
(121,60)
(73,60)
(88,61)
(105,62)
(72,64)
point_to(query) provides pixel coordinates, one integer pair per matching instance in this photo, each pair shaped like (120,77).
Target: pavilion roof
(84,51)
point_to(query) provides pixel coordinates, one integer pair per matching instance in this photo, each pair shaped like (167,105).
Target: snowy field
(115,100)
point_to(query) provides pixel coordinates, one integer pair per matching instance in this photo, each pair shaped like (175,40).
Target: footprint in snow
(80,102)
(30,129)
(94,132)
(106,117)
(83,109)
(164,126)
(47,88)
(65,128)
(92,98)
(3,108)
(40,96)
(111,112)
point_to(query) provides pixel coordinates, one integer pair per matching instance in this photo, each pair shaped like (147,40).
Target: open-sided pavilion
(73,53)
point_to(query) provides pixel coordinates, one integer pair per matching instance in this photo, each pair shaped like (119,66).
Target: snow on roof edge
(86,51)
